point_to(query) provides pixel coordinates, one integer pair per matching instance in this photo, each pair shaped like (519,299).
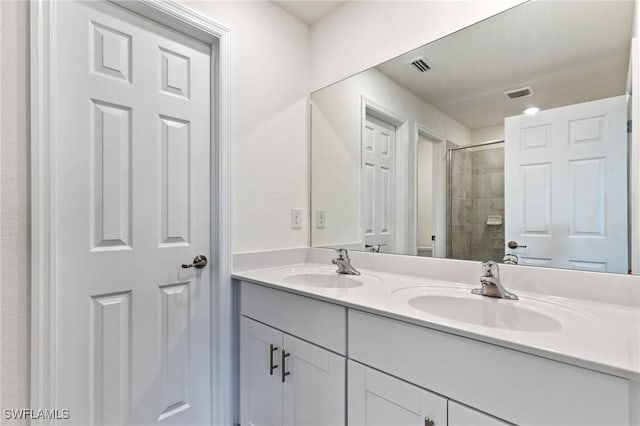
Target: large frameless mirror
(504,141)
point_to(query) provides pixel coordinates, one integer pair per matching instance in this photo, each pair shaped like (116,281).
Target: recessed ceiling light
(531,110)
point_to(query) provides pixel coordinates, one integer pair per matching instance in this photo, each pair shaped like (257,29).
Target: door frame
(439,199)
(401,211)
(43,199)
(634,157)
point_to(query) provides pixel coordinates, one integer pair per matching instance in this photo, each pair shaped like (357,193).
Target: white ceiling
(309,12)
(569,52)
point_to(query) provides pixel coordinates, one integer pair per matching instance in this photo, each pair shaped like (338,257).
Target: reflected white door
(566,186)
(378,183)
(133,170)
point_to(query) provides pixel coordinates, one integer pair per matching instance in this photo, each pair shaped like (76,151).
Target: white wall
(335,132)
(270,51)
(14,196)
(488,134)
(362,34)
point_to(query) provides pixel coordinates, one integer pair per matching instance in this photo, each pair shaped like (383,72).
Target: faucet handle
(343,254)
(488,269)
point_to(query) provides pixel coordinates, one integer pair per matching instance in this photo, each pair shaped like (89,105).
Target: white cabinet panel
(314,389)
(506,383)
(261,387)
(322,323)
(376,399)
(460,415)
(287,381)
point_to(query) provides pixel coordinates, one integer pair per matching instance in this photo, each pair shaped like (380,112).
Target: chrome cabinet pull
(271,366)
(284,368)
(199,262)
(428,422)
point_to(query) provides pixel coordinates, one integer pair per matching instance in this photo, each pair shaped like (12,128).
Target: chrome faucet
(491,285)
(344,263)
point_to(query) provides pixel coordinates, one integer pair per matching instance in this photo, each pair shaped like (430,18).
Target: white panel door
(376,399)
(566,186)
(378,183)
(133,178)
(460,415)
(314,389)
(260,374)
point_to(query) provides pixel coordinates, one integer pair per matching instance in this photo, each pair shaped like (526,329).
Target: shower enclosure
(475,202)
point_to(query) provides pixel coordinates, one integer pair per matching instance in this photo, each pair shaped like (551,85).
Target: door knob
(514,245)
(200,261)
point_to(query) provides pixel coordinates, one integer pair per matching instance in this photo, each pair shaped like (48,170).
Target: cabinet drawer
(518,387)
(319,322)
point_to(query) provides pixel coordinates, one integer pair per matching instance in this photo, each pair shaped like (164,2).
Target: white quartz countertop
(603,337)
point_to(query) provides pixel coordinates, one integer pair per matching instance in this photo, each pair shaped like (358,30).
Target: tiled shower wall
(477,191)
(487,169)
(461,223)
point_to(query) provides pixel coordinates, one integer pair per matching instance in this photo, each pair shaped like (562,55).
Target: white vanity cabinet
(375,398)
(348,365)
(285,380)
(511,385)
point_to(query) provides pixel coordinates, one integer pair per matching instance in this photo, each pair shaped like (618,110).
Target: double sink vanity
(506,140)
(407,342)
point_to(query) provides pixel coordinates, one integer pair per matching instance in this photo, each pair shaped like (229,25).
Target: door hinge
(433,238)
(629,126)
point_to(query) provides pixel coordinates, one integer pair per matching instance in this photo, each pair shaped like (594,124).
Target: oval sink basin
(529,314)
(324,280)
(487,312)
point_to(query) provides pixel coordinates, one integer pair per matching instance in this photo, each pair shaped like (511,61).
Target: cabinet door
(461,415)
(314,389)
(376,399)
(260,385)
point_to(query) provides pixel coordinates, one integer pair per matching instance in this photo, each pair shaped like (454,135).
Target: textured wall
(14,202)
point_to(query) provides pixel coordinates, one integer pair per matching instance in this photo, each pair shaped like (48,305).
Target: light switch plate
(320,219)
(296,218)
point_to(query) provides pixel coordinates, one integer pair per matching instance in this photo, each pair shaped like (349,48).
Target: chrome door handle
(374,248)
(514,245)
(199,262)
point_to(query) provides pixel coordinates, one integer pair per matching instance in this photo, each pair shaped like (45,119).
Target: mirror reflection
(505,141)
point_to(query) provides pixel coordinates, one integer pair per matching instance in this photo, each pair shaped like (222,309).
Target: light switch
(320,219)
(296,218)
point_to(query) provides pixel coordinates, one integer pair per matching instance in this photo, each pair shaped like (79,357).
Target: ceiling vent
(419,64)
(519,93)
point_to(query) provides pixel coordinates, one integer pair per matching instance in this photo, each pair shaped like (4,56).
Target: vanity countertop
(603,337)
